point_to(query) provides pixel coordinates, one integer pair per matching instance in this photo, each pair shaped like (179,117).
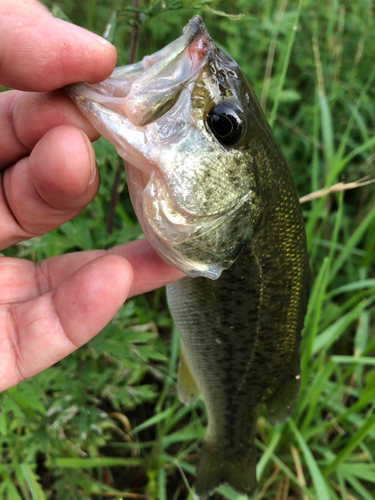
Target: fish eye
(225,122)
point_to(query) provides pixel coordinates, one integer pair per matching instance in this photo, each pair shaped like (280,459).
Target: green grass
(106,421)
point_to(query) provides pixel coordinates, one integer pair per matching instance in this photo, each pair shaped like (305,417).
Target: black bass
(214,195)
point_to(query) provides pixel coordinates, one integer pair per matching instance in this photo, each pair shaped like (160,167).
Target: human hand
(48,175)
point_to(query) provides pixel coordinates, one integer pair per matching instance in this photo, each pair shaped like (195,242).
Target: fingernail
(93,164)
(94,169)
(85,32)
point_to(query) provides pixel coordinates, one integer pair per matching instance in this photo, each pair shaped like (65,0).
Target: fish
(215,197)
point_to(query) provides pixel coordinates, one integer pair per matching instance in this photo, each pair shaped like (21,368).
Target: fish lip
(194,43)
(136,95)
(194,28)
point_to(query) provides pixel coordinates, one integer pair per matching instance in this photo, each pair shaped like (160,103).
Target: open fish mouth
(145,91)
(148,111)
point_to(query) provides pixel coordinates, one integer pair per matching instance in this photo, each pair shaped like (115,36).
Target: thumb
(41,53)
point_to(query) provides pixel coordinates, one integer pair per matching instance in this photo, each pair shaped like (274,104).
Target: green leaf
(327,130)
(264,459)
(32,482)
(361,471)
(185,434)
(232,17)
(3,424)
(90,463)
(288,472)
(367,426)
(110,29)
(333,332)
(286,58)
(289,95)
(162,490)
(358,487)
(153,420)
(317,477)
(59,13)
(353,360)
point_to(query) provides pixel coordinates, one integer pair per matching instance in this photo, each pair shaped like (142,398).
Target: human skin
(48,174)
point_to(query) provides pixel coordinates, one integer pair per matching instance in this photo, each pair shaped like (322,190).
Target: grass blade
(32,483)
(317,477)
(352,444)
(286,59)
(288,472)
(90,463)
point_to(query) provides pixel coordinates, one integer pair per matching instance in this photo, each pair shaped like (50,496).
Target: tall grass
(106,422)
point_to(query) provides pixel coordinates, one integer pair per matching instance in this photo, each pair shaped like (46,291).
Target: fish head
(186,122)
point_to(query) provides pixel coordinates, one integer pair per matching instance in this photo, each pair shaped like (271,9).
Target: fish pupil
(222,125)
(225,123)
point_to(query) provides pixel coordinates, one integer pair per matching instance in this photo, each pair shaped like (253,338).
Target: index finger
(41,53)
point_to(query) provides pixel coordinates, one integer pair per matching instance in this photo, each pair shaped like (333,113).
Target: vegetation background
(106,421)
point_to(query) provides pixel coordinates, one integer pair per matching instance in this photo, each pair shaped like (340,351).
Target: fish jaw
(152,113)
(135,95)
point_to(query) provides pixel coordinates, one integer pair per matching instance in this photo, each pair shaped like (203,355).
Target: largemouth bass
(214,195)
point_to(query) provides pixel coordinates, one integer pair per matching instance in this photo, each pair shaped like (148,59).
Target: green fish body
(240,336)
(215,197)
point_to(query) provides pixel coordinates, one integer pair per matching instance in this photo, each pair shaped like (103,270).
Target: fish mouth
(146,90)
(137,95)
(137,109)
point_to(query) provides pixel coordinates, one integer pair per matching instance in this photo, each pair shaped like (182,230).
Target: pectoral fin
(188,391)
